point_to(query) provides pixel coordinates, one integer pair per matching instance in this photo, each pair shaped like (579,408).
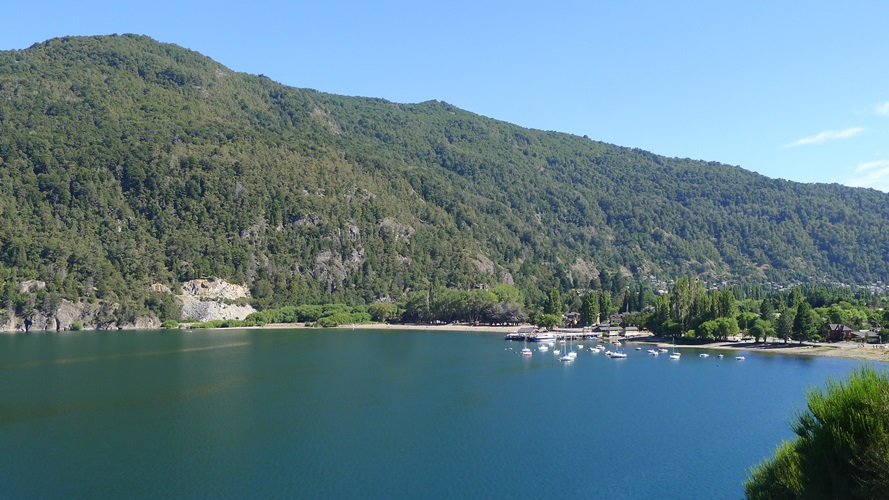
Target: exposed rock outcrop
(210,300)
(201,300)
(31,286)
(214,289)
(76,315)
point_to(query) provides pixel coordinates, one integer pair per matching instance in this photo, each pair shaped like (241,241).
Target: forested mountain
(126,162)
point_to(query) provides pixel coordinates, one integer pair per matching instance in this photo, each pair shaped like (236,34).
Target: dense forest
(126,162)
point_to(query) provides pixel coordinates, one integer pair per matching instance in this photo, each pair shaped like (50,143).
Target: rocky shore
(201,300)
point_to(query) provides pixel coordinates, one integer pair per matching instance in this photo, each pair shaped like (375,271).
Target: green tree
(707,330)
(805,323)
(549,321)
(589,309)
(746,318)
(767,310)
(761,329)
(726,306)
(841,448)
(796,297)
(784,325)
(605,307)
(553,304)
(382,311)
(726,327)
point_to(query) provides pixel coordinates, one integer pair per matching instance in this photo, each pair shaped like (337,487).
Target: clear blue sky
(790,89)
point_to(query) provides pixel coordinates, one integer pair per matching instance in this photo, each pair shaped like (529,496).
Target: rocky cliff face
(85,315)
(212,299)
(201,299)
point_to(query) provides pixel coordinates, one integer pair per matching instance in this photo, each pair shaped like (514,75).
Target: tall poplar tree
(589,309)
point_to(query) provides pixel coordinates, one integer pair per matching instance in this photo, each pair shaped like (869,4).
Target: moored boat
(543,337)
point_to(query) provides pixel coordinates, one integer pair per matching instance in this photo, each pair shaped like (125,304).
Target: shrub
(841,449)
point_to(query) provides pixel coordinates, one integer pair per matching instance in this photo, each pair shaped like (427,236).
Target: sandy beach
(852,350)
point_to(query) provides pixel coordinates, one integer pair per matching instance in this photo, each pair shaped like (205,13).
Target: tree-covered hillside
(124,162)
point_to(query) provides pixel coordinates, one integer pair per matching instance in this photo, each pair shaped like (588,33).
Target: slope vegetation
(125,162)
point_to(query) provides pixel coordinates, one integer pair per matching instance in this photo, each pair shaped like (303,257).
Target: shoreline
(846,350)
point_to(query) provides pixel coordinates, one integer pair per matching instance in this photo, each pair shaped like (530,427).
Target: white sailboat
(526,351)
(675,355)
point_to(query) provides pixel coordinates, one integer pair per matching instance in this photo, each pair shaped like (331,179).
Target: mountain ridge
(126,161)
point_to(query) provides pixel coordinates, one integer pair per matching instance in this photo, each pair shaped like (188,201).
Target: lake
(382,414)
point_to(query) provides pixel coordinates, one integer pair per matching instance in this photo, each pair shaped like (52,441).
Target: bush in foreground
(841,448)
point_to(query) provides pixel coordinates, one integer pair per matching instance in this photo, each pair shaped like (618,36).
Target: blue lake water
(382,414)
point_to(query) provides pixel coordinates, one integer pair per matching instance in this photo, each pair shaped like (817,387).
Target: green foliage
(77,326)
(746,319)
(446,305)
(126,162)
(778,477)
(549,321)
(589,309)
(784,325)
(382,311)
(841,449)
(326,315)
(170,324)
(761,329)
(553,304)
(806,322)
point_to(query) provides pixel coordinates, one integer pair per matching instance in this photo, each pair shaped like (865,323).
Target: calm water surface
(381,414)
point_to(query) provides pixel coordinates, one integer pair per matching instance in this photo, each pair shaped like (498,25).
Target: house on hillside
(571,320)
(838,331)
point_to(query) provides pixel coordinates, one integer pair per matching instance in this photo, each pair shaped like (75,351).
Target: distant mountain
(126,162)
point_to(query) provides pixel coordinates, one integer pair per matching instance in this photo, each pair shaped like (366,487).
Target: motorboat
(618,355)
(704,355)
(543,337)
(526,352)
(739,358)
(543,348)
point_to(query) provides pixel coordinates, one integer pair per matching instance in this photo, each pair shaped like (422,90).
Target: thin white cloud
(874,174)
(827,135)
(883,109)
